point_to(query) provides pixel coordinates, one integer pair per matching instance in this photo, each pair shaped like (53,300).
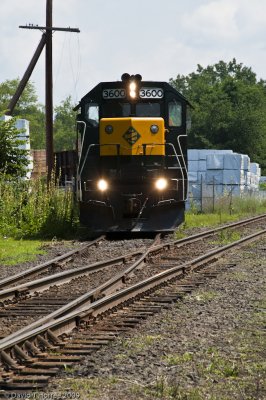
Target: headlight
(102,185)
(154,128)
(109,129)
(161,184)
(132,86)
(132,89)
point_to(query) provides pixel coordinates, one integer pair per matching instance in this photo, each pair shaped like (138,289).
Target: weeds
(227,236)
(224,212)
(30,209)
(176,359)
(205,296)
(139,343)
(14,252)
(172,390)
(223,368)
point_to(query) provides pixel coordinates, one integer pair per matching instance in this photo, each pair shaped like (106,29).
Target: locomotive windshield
(120,109)
(116,109)
(148,110)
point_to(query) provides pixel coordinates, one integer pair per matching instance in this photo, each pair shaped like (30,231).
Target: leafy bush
(13,159)
(30,208)
(263,186)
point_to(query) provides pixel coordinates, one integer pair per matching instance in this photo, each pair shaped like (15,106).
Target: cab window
(92,114)
(188,119)
(148,110)
(174,113)
(116,109)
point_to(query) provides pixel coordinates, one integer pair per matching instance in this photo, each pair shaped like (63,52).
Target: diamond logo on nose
(131,136)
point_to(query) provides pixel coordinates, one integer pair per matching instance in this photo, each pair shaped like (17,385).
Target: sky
(158,39)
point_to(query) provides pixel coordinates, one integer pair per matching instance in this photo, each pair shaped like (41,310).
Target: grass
(239,208)
(137,345)
(217,375)
(30,209)
(177,359)
(227,236)
(219,366)
(205,220)
(14,252)
(82,388)
(205,296)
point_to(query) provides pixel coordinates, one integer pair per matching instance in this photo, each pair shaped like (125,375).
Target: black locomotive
(132,147)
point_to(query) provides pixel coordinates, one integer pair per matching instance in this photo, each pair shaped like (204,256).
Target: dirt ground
(210,345)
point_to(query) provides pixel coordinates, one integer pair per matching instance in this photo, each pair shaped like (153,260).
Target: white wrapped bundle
(215,161)
(233,161)
(192,176)
(192,155)
(214,176)
(193,166)
(233,177)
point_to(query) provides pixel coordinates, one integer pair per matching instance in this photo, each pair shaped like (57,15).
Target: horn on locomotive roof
(127,77)
(138,77)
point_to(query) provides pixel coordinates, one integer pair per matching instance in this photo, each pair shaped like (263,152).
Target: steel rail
(41,267)
(226,226)
(61,277)
(182,241)
(107,287)
(117,281)
(88,311)
(205,234)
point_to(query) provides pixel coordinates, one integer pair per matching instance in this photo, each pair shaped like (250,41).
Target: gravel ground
(53,249)
(105,250)
(210,345)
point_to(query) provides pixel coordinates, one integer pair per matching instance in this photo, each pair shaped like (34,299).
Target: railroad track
(18,291)
(23,304)
(58,293)
(50,266)
(38,306)
(26,365)
(65,261)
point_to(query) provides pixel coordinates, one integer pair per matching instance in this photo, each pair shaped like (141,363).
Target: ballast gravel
(103,251)
(209,345)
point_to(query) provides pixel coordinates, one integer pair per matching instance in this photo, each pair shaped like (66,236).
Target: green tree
(13,158)
(27,108)
(229,109)
(64,126)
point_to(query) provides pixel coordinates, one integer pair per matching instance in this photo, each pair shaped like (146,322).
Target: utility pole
(26,76)
(46,40)
(49,91)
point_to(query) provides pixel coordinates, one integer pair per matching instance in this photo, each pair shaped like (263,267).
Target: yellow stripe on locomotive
(132,136)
